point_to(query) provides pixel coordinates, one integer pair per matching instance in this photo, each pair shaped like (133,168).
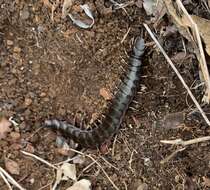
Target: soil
(53,69)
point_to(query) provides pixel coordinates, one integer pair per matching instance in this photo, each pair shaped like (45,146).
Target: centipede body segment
(119,105)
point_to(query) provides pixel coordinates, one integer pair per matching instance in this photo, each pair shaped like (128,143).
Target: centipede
(111,122)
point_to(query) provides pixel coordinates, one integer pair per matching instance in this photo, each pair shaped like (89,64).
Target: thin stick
(40,159)
(87,167)
(113,146)
(171,156)
(5,180)
(45,186)
(125,36)
(104,172)
(89,156)
(108,163)
(203,62)
(178,74)
(35,132)
(185,143)
(130,161)
(66,161)
(11,179)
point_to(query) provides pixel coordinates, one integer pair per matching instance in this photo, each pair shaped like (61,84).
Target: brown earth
(54,69)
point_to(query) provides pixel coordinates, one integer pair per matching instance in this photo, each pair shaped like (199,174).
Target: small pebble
(43,94)
(10,42)
(15,135)
(27,102)
(105,93)
(17,49)
(29,148)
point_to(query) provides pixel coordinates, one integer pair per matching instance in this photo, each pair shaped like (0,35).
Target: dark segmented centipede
(115,114)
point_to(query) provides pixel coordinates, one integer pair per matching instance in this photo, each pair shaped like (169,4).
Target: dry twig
(11,179)
(178,74)
(95,161)
(185,143)
(5,180)
(125,36)
(108,163)
(203,65)
(171,156)
(40,159)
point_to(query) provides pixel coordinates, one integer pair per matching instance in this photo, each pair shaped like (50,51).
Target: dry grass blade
(204,67)
(189,29)
(5,180)
(95,161)
(11,179)
(178,75)
(40,159)
(171,156)
(185,143)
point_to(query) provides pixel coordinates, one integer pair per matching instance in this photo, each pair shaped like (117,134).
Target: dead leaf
(58,175)
(187,29)
(67,4)
(150,6)
(82,184)
(69,171)
(159,13)
(4,127)
(180,56)
(155,8)
(12,166)
(139,3)
(65,172)
(179,20)
(106,94)
(79,159)
(204,29)
(173,120)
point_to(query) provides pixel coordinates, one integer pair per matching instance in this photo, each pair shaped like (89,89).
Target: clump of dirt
(52,69)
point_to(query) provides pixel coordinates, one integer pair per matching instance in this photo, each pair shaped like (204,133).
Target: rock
(24,14)
(27,102)
(15,135)
(43,94)
(17,49)
(10,42)
(106,94)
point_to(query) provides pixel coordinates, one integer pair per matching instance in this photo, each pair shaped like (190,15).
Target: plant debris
(82,184)
(80,23)
(12,166)
(4,127)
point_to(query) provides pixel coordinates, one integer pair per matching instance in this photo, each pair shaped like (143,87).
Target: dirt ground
(53,69)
